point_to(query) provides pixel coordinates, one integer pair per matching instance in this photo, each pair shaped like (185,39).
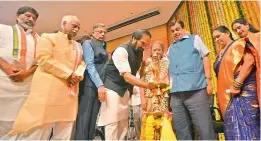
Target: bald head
(69,18)
(70,25)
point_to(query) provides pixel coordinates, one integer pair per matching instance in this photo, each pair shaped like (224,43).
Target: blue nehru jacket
(186,66)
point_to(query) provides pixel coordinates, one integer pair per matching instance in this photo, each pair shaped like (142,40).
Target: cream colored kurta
(49,100)
(13,94)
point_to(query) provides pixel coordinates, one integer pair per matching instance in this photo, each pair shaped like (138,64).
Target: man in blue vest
(191,83)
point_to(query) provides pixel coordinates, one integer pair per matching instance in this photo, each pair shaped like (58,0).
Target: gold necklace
(223,50)
(221,53)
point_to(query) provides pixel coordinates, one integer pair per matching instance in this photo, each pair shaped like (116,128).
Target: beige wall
(158,33)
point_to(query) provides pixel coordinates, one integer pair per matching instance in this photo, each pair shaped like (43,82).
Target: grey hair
(158,42)
(99,25)
(68,19)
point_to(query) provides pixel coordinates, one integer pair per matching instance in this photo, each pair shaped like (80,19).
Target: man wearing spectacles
(92,87)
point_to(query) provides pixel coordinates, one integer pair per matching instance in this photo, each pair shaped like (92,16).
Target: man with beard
(53,99)
(17,52)
(95,57)
(120,77)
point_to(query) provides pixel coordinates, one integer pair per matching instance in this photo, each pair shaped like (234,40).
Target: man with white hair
(53,99)
(17,51)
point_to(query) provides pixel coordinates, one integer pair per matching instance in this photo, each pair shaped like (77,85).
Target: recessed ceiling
(89,13)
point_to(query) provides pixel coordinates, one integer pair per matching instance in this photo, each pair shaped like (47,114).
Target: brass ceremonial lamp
(154,123)
(156,79)
(156,72)
(156,75)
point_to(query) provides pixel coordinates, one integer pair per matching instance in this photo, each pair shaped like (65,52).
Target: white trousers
(116,130)
(114,109)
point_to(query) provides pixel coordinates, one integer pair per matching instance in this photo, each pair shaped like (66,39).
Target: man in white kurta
(122,111)
(17,51)
(120,77)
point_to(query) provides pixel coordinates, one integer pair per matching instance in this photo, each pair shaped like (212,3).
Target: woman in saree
(245,30)
(237,68)
(156,102)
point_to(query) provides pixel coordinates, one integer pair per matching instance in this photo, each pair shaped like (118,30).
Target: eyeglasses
(100,31)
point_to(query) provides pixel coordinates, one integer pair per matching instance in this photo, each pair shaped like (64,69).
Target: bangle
(236,87)
(208,78)
(240,83)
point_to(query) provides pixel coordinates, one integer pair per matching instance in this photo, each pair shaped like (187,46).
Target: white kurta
(116,108)
(13,94)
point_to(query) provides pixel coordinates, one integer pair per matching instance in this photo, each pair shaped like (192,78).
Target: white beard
(24,25)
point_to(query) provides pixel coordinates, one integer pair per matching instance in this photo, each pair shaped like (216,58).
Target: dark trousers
(89,106)
(192,105)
